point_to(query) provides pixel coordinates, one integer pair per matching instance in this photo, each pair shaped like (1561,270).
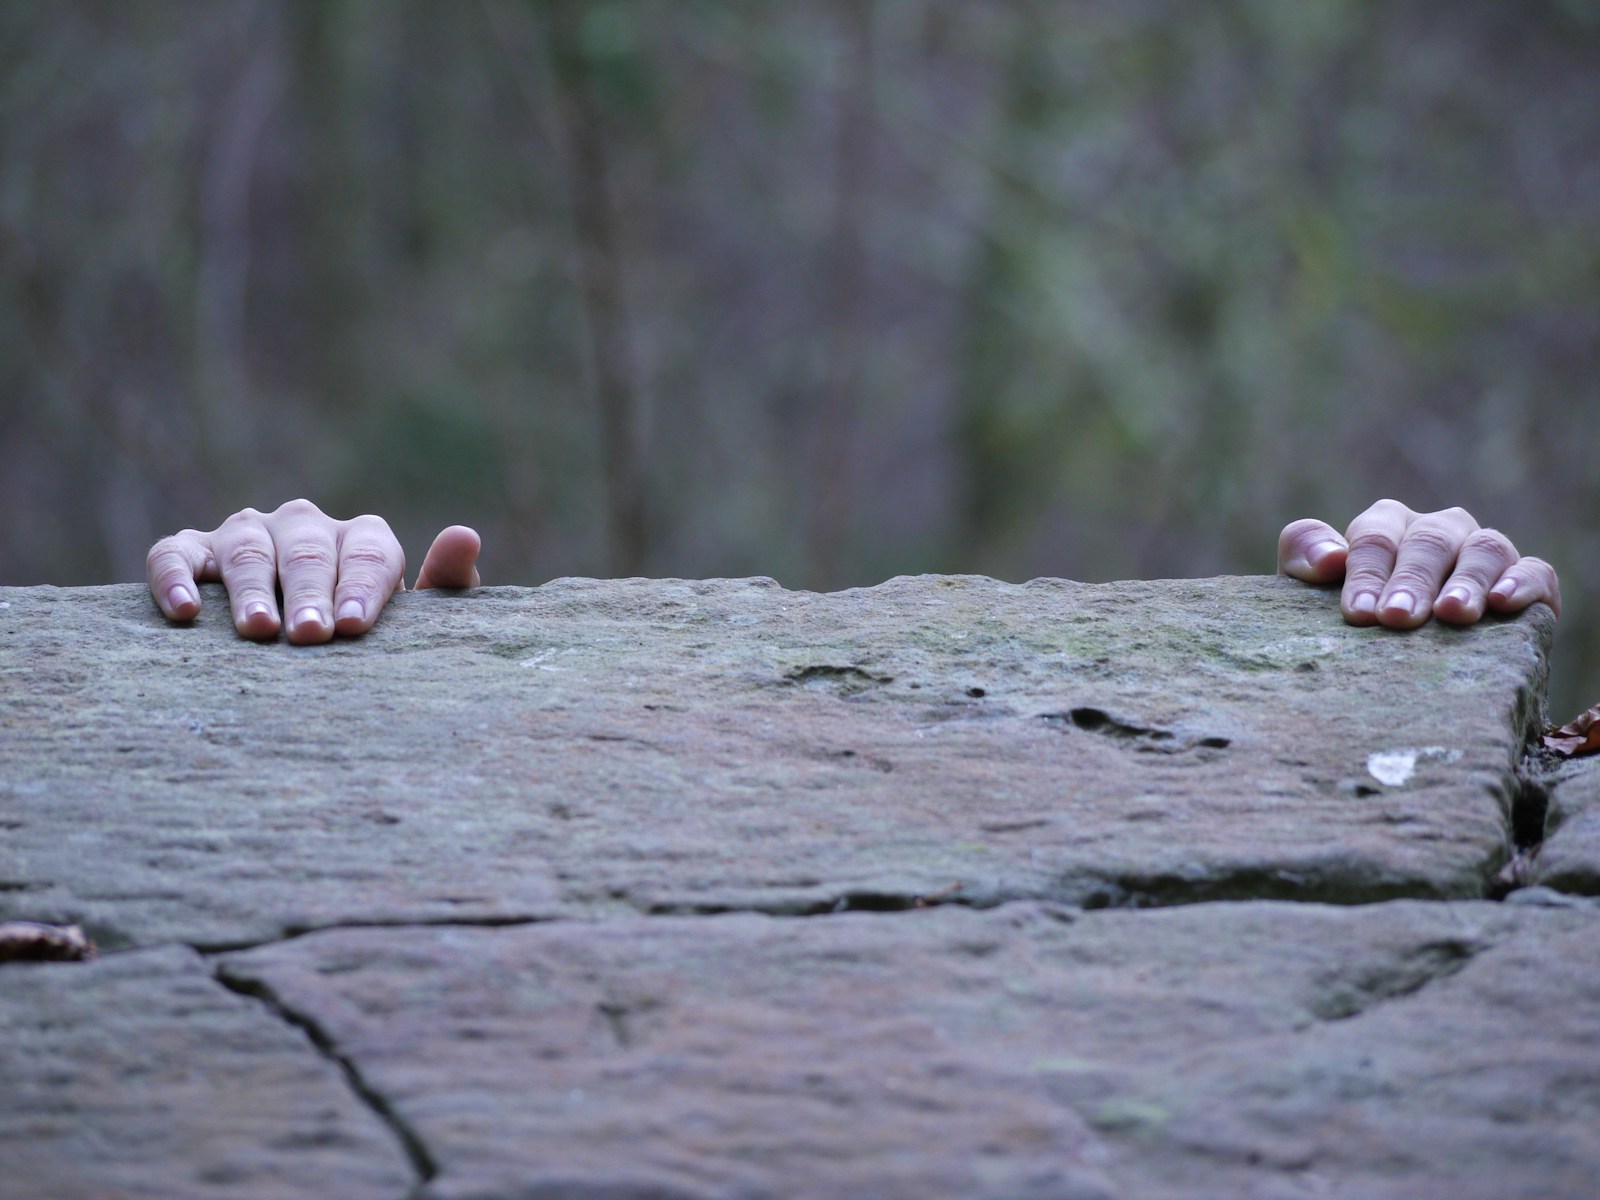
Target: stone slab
(1569,860)
(139,1076)
(1248,1050)
(633,746)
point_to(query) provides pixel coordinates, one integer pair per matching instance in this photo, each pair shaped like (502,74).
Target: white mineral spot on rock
(1394,768)
(1299,647)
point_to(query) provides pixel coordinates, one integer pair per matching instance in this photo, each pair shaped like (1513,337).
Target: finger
(452,560)
(1427,555)
(249,567)
(1484,559)
(1311,550)
(1527,582)
(306,540)
(172,569)
(1374,541)
(371,565)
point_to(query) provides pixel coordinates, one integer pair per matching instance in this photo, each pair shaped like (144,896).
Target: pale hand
(335,576)
(1399,567)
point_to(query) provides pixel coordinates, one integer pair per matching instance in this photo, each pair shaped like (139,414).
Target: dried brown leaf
(1577,737)
(29,941)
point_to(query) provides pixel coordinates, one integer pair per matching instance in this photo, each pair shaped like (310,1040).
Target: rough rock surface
(137,1076)
(556,892)
(1569,859)
(657,746)
(1271,1049)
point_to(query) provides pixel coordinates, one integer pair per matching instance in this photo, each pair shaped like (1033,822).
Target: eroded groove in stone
(1363,988)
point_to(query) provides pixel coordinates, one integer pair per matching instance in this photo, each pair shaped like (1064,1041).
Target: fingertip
(451,561)
(257,620)
(1324,562)
(1458,606)
(1359,608)
(310,627)
(181,602)
(1505,596)
(1311,550)
(354,617)
(1403,610)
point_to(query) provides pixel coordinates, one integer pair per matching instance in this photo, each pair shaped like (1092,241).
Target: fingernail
(178,596)
(1506,589)
(352,610)
(1321,551)
(256,608)
(1366,604)
(1402,602)
(309,616)
(1459,595)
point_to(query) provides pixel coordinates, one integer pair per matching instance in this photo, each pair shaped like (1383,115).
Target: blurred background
(827,291)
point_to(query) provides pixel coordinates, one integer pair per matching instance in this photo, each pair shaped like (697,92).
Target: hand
(336,576)
(1399,566)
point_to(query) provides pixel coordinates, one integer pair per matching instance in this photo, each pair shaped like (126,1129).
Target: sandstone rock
(583,866)
(140,1076)
(1243,1050)
(1569,860)
(605,747)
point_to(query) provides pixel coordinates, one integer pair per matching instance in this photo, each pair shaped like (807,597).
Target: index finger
(1374,539)
(172,568)
(371,565)
(1427,555)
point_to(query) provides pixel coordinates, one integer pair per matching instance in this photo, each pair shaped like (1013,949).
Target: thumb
(1311,550)
(452,560)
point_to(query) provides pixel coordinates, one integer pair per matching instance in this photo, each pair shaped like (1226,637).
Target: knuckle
(366,568)
(364,555)
(314,555)
(162,552)
(1374,542)
(164,572)
(1490,541)
(1432,540)
(1411,578)
(245,518)
(369,523)
(1542,572)
(247,556)
(1365,578)
(299,507)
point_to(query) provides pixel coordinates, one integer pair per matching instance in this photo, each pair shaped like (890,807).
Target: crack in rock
(853,901)
(1142,737)
(290,932)
(1528,823)
(416,1151)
